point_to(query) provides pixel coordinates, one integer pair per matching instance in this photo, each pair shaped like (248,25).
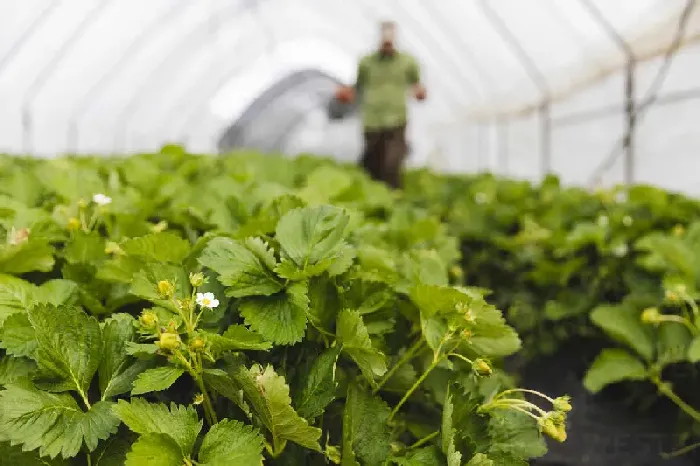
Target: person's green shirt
(382,81)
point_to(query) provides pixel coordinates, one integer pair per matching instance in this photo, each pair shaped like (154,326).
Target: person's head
(387,30)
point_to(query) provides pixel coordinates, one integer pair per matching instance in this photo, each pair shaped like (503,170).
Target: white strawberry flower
(101,199)
(207,300)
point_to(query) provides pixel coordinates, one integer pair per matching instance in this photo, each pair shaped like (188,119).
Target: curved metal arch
(268,98)
(222,82)
(535,75)
(90,97)
(28,33)
(201,29)
(294,123)
(197,109)
(186,96)
(526,61)
(37,85)
(484,75)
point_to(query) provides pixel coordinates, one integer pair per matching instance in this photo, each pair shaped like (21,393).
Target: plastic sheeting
(516,87)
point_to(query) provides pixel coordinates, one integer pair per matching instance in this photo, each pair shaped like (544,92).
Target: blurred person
(384,77)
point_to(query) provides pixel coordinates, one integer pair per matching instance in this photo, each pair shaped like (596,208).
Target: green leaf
(165,247)
(366,435)
(694,350)
(18,337)
(13,455)
(491,335)
(611,366)
(237,338)
(672,341)
(481,459)
(231,443)
(155,380)
(623,323)
(13,369)
(454,457)
(515,438)
(352,335)
(428,456)
(70,345)
(324,302)
(117,370)
(53,423)
(280,318)
(29,256)
(180,423)
(319,385)
(222,383)
(311,240)
(16,295)
(145,283)
(247,272)
(85,248)
(155,450)
(268,393)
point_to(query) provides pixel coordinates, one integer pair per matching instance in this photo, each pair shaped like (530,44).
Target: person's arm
(414,79)
(348,94)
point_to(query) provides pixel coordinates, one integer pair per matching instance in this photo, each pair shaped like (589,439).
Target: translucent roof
(128,75)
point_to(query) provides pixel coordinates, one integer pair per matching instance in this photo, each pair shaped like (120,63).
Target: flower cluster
(551,423)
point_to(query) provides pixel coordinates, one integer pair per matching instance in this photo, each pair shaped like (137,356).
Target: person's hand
(345,94)
(419,92)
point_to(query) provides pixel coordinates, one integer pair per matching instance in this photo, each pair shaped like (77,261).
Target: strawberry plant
(170,309)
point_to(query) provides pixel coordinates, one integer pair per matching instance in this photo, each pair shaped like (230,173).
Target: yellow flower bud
(169,341)
(166,289)
(82,203)
(548,426)
(198,399)
(197,344)
(562,404)
(73,224)
(482,367)
(148,320)
(678,230)
(112,248)
(160,226)
(651,315)
(197,279)
(456,271)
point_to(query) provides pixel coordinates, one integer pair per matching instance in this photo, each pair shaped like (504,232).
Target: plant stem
(524,390)
(208,407)
(671,395)
(407,356)
(410,391)
(424,440)
(89,459)
(680,451)
(680,320)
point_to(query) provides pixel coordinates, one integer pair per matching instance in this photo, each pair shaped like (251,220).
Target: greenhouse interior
(411,233)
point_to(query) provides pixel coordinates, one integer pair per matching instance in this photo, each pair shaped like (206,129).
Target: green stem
(208,407)
(680,320)
(410,391)
(424,440)
(407,356)
(85,399)
(463,358)
(670,394)
(680,451)
(694,307)
(89,459)
(524,390)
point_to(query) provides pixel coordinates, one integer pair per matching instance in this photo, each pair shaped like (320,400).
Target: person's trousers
(384,153)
